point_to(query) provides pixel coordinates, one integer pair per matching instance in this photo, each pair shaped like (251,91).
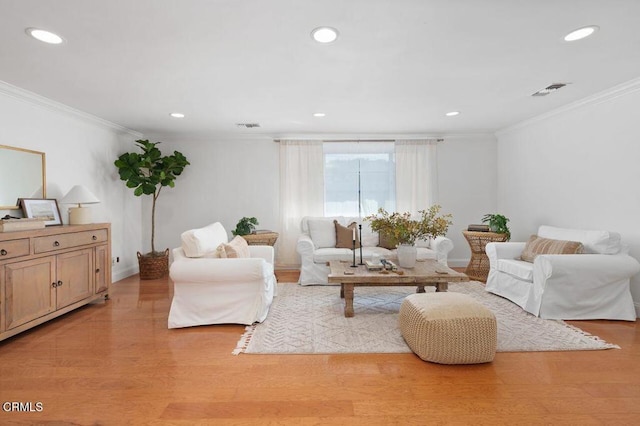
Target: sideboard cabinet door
(102,269)
(29,290)
(74,277)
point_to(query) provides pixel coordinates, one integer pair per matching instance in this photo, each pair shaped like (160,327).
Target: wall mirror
(22,175)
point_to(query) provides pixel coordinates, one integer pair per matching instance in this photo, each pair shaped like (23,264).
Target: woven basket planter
(153,267)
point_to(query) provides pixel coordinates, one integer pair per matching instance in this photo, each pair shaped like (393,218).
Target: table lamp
(79,195)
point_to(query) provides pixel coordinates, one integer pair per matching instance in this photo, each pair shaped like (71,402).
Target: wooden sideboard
(45,273)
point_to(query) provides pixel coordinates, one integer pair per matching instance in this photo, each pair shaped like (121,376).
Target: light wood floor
(117,363)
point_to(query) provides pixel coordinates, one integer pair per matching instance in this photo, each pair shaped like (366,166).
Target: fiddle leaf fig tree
(147,172)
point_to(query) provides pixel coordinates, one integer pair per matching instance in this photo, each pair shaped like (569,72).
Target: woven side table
(261,238)
(478,267)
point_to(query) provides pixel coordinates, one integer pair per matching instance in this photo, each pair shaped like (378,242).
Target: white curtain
(416,175)
(301,193)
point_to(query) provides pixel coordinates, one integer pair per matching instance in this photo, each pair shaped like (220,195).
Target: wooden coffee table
(425,273)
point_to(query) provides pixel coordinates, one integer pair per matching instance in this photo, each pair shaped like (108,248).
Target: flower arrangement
(403,229)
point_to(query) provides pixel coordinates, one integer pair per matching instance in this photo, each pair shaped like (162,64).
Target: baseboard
(125,273)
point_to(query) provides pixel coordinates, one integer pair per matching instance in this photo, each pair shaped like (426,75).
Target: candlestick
(359,196)
(353,265)
(360,228)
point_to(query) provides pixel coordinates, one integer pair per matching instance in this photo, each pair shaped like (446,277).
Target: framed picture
(41,208)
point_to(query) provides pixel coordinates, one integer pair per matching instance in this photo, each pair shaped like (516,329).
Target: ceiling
(397,67)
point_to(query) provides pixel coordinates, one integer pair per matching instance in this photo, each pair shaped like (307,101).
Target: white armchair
(594,285)
(213,290)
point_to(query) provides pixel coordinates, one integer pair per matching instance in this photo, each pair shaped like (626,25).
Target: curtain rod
(363,140)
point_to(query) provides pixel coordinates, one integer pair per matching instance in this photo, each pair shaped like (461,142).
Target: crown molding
(199,138)
(600,97)
(380,136)
(15,92)
(320,136)
(467,136)
(354,136)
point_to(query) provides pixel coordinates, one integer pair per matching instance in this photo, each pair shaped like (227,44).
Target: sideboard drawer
(64,241)
(14,248)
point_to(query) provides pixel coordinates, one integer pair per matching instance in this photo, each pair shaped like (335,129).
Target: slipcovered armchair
(592,285)
(211,287)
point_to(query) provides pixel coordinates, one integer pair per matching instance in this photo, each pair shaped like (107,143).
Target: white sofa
(213,290)
(316,247)
(593,285)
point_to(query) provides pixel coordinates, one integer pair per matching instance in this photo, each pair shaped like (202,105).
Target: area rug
(310,320)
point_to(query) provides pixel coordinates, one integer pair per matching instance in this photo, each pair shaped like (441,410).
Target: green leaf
(148,188)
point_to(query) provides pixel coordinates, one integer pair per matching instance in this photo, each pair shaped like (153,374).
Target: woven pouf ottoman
(448,328)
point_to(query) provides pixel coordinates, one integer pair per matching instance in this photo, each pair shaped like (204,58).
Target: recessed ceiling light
(452,113)
(177,115)
(324,34)
(581,33)
(45,36)
(319,114)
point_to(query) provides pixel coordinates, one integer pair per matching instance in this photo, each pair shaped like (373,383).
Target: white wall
(79,149)
(576,168)
(232,178)
(226,180)
(467,180)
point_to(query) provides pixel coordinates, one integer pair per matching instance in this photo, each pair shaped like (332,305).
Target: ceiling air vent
(247,125)
(549,89)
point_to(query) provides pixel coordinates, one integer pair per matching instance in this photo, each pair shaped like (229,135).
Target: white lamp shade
(79,194)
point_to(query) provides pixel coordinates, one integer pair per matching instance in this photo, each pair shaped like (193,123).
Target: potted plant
(497,224)
(147,172)
(404,230)
(245,226)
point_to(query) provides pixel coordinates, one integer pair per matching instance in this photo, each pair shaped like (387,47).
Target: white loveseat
(213,290)
(593,285)
(316,247)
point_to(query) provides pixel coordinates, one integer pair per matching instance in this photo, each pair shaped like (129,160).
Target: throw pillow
(322,233)
(201,241)
(237,248)
(538,245)
(368,238)
(602,242)
(344,235)
(387,241)
(219,253)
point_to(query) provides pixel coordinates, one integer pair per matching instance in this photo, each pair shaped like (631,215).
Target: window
(367,167)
